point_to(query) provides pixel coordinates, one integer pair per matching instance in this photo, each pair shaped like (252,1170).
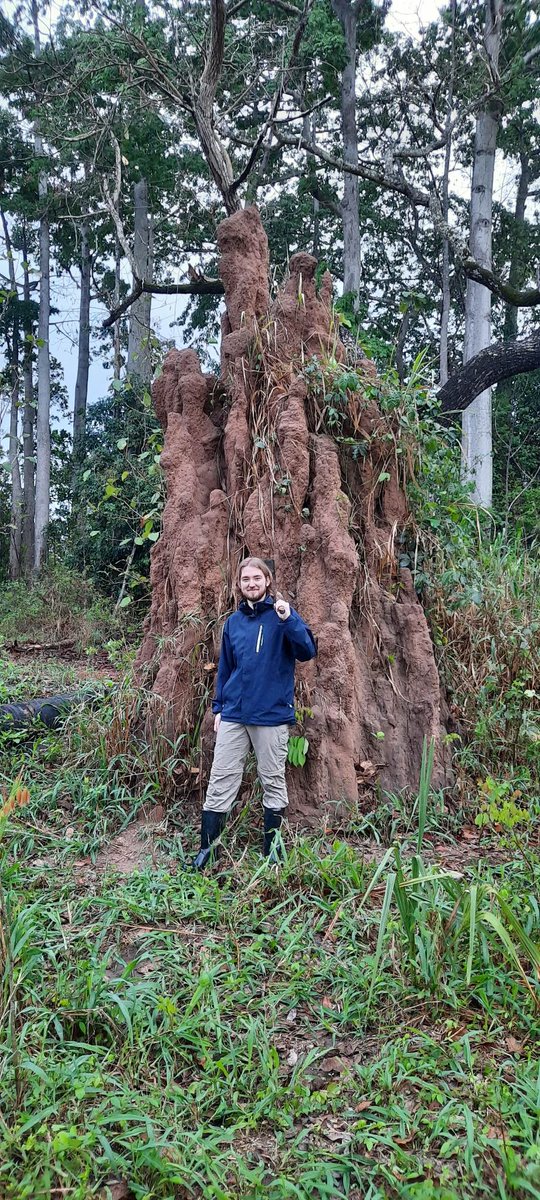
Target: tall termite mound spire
(251,469)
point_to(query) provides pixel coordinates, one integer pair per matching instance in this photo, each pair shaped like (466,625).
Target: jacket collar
(258,607)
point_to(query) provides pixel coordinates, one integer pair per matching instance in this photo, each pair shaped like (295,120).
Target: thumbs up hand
(283,609)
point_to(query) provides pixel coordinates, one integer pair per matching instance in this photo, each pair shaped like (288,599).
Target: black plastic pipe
(48,710)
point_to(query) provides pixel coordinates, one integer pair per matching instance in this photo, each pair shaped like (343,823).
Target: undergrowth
(339,1027)
(61,605)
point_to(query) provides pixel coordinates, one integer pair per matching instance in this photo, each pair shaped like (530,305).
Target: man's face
(253,584)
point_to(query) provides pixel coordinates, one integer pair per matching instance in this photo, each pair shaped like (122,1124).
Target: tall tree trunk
(83,364)
(16,487)
(477,421)
(139,356)
(29,476)
(347,15)
(13,447)
(43,431)
(117,343)
(445,265)
(516,262)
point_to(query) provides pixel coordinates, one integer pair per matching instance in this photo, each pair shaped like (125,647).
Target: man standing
(254,703)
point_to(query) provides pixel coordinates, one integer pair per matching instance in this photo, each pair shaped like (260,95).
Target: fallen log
(17,647)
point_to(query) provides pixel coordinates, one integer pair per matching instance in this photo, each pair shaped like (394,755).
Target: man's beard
(255,595)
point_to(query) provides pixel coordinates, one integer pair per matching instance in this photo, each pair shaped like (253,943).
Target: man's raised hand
(282,608)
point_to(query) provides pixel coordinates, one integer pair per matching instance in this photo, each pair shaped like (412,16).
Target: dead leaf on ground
(496,1133)
(336,1132)
(361,1107)
(146,967)
(292,1058)
(513,1045)
(291,1017)
(327,1002)
(333,1065)
(115,1189)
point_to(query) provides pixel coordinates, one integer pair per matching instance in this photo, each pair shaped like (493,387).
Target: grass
(339,1028)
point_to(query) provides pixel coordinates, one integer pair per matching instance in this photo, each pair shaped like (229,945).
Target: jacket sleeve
(225,668)
(300,637)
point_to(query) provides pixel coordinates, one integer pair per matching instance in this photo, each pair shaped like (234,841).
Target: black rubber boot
(212,824)
(272,822)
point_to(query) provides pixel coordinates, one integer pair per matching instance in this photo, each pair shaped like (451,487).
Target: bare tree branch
(394,182)
(286,8)
(518,298)
(214,59)
(289,118)
(196,287)
(112,203)
(299,33)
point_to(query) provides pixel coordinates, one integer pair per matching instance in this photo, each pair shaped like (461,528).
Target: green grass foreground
(352,1025)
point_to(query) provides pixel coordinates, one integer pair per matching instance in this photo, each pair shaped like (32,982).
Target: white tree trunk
(43,431)
(13,447)
(139,361)
(29,477)
(477,423)
(347,15)
(16,488)
(117,327)
(83,363)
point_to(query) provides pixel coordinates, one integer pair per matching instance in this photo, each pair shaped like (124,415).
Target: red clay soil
(250,470)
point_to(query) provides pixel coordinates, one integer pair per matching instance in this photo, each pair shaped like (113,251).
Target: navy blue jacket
(255,679)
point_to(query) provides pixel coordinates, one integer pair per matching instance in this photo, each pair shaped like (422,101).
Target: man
(254,703)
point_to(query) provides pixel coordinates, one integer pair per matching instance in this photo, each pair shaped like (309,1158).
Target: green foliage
(62,603)
(297,751)
(516,462)
(119,492)
(499,805)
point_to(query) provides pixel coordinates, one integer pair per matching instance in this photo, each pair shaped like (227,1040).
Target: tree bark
(16,487)
(139,362)
(43,432)
(13,447)
(477,422)
(83,363)
(496,363)
(117,343)
(214,151)
(29,476)
(347,15)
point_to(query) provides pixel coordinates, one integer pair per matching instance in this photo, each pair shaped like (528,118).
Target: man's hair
(259,565)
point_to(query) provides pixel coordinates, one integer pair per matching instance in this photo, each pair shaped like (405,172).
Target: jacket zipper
(259,639)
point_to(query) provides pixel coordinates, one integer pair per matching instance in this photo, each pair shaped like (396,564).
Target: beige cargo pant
(270,743)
